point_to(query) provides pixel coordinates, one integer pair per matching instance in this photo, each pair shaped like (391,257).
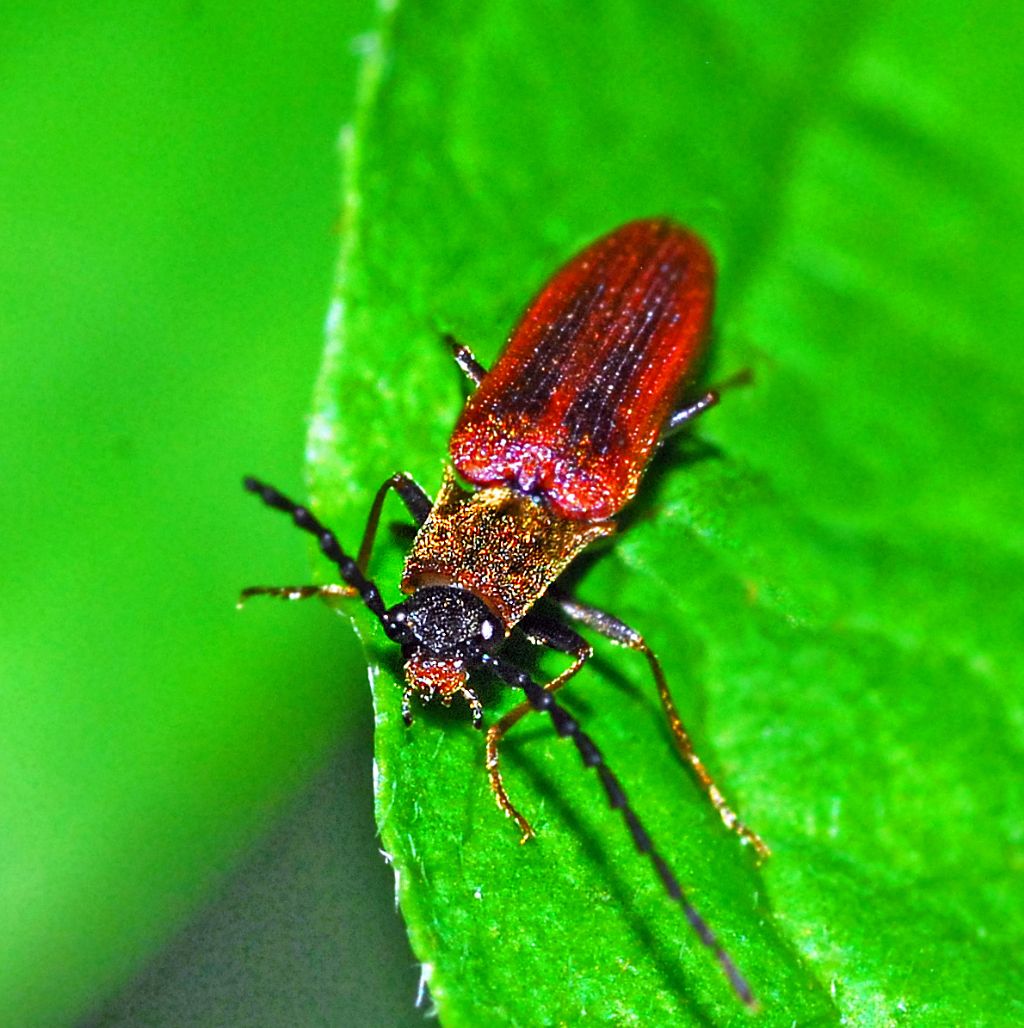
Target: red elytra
(574,406)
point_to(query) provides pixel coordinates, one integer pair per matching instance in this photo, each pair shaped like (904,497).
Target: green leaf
(831,567)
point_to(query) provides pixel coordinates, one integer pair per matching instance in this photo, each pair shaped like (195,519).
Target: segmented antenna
(328,541)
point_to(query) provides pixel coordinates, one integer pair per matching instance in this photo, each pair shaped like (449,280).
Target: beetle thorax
(497,544)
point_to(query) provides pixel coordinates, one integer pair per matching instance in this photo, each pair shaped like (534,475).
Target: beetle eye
(487,629)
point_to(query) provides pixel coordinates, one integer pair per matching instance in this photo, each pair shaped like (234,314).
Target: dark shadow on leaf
(620,886)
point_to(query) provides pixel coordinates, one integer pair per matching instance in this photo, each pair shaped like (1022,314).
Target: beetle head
(443,630)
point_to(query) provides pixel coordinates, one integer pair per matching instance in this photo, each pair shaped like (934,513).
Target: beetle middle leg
(619,632)
(544,632)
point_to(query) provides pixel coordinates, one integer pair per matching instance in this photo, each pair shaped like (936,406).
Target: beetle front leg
(416,501)
(582,652)
(407,695)
(297,592)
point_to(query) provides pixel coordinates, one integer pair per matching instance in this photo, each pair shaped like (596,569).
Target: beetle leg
(471,367)
(619,632)
(296,592)
(693,410)
(329,546)
(686,414)
(567,726)
(559,637)
(416,501)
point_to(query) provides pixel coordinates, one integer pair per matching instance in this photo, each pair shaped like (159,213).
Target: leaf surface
(830,567)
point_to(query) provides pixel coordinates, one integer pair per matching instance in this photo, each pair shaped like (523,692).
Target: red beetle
(553,441)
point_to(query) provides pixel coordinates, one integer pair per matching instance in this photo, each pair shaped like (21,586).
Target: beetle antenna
(328,541)
(566,725)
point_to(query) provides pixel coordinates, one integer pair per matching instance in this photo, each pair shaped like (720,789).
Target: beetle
(551,445)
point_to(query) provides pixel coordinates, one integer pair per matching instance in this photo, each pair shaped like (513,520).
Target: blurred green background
(169,217)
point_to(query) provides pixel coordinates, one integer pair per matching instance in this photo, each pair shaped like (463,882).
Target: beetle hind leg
(684,745)
(619,632)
